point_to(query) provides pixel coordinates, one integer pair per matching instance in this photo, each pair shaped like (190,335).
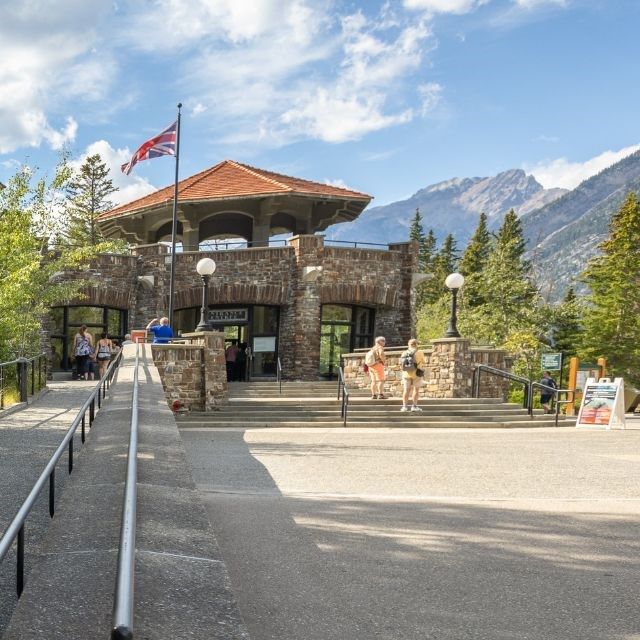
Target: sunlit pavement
(340,534)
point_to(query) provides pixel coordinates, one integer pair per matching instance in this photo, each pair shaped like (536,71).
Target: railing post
(22,378)
(52,492)
(20,562)
(71,455)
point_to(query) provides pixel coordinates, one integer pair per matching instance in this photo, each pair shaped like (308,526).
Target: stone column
(407,298)
(300,331)
(214,368)
(450,369)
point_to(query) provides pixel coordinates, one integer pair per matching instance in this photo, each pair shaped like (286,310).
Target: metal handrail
(355,244)
(279,374)
(344,392)
(555,391)
(16,527)
(479,368)
(123,599)
(22,365)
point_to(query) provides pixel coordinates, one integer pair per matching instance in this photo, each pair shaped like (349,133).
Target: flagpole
(174,228)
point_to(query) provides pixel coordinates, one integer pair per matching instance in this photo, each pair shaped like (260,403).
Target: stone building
(299,299)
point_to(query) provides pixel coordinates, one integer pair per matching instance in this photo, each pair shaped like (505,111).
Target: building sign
(551,362)
(264,345)
(602,404)
(228,316)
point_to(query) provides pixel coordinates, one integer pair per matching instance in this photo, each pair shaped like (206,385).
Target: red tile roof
(228,180)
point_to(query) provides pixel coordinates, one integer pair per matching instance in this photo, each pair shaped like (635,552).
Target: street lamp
(205,269)
(454,281)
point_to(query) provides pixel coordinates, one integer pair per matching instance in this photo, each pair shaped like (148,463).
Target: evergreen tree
(473,262)
(88,192)
(510,302)
(612,320)
(444,263)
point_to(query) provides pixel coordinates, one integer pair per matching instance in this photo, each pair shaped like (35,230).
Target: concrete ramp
(182,588)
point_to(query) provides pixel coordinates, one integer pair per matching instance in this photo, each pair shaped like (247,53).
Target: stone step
(353,410)
(379,424)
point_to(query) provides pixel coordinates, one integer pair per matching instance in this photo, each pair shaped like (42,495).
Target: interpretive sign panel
(602,404)
(551,361)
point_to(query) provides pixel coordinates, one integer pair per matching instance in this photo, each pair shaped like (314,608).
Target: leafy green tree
(612,318)
(29,268)
(88,192)
(473,262)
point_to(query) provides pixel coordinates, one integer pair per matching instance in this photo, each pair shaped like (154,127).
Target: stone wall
(195,373)
(448,373)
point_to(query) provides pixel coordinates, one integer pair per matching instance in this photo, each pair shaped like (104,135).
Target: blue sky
(383,97)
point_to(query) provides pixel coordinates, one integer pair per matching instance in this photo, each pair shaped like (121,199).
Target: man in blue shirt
(161,330)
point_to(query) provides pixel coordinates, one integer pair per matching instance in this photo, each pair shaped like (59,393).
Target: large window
(344,328)
(65,322)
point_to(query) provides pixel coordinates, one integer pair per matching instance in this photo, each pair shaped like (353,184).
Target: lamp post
(454,281)
(205,269)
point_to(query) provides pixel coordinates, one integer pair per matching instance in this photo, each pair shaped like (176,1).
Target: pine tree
(88,193)
(612,320)
(473,262)
(510,301)
(444,263)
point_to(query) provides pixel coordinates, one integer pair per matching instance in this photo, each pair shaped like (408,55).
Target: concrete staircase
(314,404)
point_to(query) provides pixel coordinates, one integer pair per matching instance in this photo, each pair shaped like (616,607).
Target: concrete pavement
(352,534)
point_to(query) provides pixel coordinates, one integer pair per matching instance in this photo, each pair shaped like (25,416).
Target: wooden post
(571,384)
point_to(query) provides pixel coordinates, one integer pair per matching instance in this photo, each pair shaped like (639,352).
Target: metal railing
(279,374)
(343,397)
(17,526)
(15,374)
(123,600)
(529,388)
(354,244)
(475,385)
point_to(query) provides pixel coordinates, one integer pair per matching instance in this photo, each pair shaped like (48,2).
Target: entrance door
(334,341)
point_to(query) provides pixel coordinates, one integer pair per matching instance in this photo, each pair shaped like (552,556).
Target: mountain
(563,235)
(452,206)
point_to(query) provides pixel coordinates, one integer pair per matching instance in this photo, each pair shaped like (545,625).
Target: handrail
(123,600)
(16,527)
(344,392)
(21,379)
(279,374)
(355,243)
(479,368)
(555,391)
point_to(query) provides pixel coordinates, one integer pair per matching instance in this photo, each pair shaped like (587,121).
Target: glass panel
(57,320)
(336,313)
(85,315)
(114,326)
(363,320)
(231,332)
(265,320)
(334,341)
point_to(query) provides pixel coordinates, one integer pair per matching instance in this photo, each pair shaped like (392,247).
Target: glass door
(335,340)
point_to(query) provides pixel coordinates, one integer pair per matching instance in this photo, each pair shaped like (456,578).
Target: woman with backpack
(375,361)
(412,362)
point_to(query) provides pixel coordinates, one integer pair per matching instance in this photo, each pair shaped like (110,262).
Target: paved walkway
(28,438)
(350,534)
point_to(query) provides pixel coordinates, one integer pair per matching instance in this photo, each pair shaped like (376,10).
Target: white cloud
(129,187)
(444,6)
(36,46)
(535,4)
(560,172)
(430,95)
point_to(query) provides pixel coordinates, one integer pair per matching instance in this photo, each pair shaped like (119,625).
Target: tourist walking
(230,356)
(83,350)
(412,362)
(162,332)
(375,361)
(104,349)
(546,395)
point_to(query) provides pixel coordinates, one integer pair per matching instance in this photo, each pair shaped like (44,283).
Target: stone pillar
(214,368)
(450,369)
(300,333)
(407,301)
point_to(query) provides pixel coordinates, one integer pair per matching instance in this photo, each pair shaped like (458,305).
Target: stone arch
(165,231)
(237,293)
(93,296)
(361,294)
(283,222)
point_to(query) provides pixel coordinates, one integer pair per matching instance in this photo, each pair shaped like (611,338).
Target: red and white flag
(164,144)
